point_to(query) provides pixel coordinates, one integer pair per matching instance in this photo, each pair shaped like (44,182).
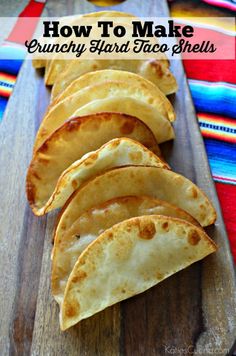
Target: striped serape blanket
(213,88)
(13,47)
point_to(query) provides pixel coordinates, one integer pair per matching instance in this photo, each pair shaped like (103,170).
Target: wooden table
(193,310)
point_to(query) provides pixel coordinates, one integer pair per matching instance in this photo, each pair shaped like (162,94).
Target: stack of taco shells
(126,220)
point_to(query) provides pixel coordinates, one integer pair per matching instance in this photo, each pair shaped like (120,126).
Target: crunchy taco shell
(54,181)
(109,89)
(128,259)
(157,71)
(155,182)
(160,126)
(76,138)
(96,220)
(128,78)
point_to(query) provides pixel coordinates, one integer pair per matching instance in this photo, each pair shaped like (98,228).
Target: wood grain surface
(191,313)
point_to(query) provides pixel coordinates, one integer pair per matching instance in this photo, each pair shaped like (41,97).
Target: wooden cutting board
(192,312)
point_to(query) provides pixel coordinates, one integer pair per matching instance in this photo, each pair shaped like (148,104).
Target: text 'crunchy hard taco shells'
(76,20)
(76,138)
(95,221)
(54,180)
(59,64)
(128,259)
(64,109)
(156,182)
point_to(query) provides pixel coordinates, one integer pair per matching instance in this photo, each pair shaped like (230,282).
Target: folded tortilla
(109,89)
(55,180)
(159,183)
(160,126)
(95,221)
(130,79)
(78,137)
(128,259)
(157,71)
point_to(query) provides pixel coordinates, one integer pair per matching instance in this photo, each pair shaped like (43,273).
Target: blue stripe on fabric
(222,158)
(3,104)
(11,59)
(220,99)
(10,66)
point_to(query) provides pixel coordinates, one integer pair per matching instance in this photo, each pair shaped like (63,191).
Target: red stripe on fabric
(224,43)
(217,135)
(7,77)
(217,118)
(217,132)
(5,93)
(227,197)
(23,30)
(211,70)
(33,9)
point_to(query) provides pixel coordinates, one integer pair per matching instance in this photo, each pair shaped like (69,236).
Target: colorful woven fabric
(12,52)
(213,87)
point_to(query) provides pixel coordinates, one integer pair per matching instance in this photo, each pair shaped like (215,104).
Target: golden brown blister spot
(110,235)
(165,226)
(159,275)
(193,237)
(147,231)
(135,156)
(79,277)
(35,175)
(91,159)
(43,131)
(43,160)
(71,309)
(71,125)
(82,261)
(143,85)
(127,127)
(156,67)
(74,184)
(194,192)
(114,144)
